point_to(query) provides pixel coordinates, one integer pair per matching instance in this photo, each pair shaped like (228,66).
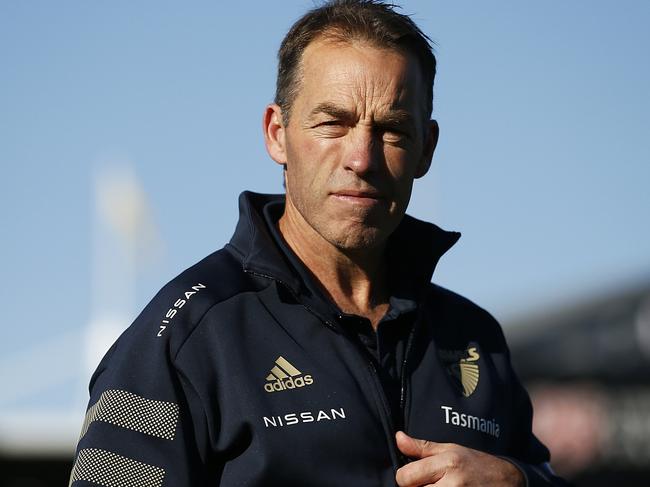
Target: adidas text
(288,383)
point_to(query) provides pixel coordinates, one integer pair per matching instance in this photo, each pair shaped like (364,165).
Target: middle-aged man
(313,349)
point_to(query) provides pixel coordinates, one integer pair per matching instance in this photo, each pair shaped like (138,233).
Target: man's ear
(274,133)
(430,143)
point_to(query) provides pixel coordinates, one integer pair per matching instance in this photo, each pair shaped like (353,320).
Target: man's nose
(364,153)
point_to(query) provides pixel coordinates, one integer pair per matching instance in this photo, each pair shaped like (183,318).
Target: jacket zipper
(404,373)
(389,427)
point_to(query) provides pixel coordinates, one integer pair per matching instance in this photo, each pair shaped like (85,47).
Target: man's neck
(356,280)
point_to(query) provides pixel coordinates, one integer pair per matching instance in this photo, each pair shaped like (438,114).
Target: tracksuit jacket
(241,373)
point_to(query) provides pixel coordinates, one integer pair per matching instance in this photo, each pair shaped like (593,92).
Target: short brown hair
(349,20)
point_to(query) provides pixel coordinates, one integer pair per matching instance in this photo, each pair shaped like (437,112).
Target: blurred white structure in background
(125,239)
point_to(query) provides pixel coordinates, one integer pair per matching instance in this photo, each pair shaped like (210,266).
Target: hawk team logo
(463,366)
(285,376)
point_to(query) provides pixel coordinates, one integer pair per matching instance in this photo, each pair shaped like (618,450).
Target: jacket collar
(413,249)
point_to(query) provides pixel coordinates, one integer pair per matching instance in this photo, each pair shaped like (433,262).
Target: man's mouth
(361,197)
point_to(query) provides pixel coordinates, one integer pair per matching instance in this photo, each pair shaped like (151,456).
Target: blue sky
(543,162)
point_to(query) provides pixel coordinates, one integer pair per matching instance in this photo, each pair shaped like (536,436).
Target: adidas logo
(285,376)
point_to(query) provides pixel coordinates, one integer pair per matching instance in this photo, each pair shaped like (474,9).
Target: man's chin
(360,239)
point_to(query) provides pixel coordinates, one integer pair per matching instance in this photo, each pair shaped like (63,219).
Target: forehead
(360,74)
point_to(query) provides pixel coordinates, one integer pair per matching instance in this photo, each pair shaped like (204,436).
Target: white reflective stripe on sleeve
(547,466)
(128,410)
(544,470)
(112,470)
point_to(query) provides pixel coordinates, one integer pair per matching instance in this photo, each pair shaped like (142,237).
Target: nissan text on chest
(314,349)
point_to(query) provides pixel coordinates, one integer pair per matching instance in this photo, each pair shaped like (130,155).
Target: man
(313,349)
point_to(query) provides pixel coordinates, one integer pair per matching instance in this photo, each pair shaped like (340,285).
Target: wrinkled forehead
(362,75)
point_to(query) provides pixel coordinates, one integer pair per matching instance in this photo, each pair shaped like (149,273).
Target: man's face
(357,137)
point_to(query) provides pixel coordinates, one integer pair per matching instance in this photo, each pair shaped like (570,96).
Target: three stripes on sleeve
(130,411)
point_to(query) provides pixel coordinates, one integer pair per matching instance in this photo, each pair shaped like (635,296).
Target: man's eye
(331,128)
(394,134)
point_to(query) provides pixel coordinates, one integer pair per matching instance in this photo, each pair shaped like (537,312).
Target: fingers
(452,464)
(415,448)
(426,471)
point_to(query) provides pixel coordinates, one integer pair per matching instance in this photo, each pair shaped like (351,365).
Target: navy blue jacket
(239,372)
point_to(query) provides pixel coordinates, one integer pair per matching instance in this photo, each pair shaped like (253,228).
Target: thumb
(415,448)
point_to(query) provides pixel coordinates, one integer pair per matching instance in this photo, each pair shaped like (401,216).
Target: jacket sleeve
(527,452)
(144,424)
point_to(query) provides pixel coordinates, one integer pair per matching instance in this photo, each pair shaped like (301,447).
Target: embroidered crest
(462,365)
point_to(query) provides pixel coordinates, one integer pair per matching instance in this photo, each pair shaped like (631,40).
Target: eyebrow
(394,117)
(331,110)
